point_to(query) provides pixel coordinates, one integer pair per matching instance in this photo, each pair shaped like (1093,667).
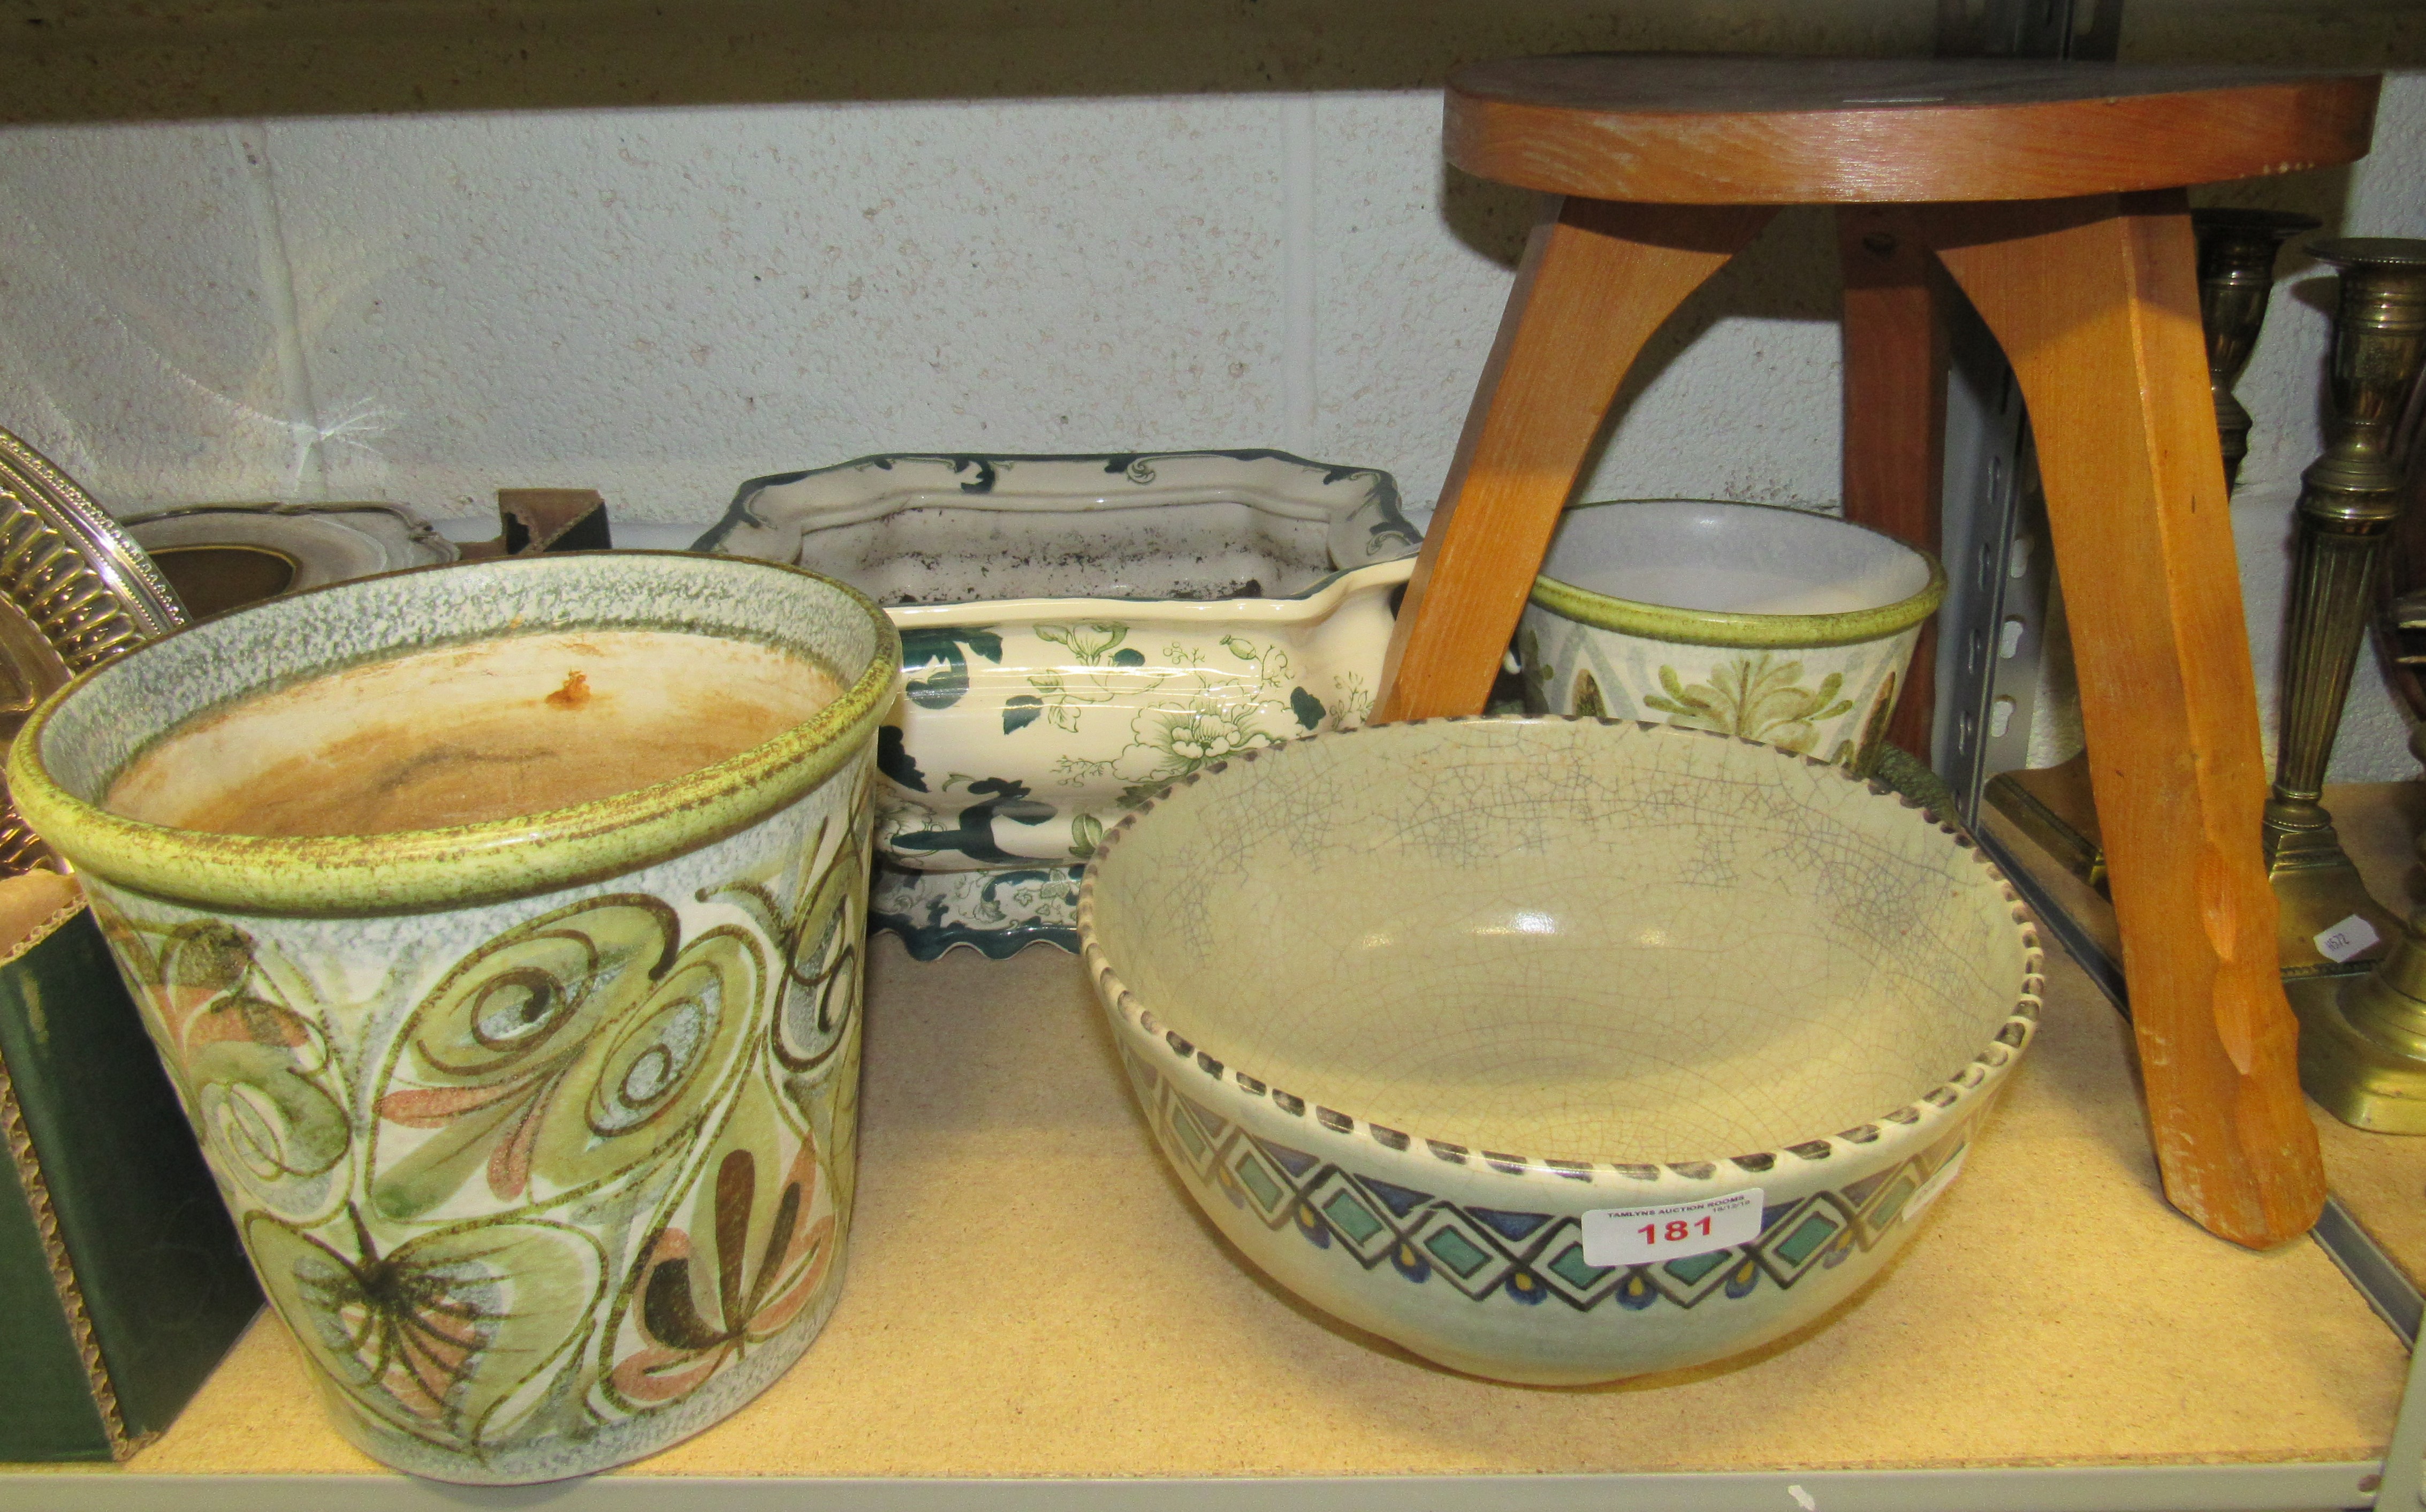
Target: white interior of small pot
(1742,559)
(1563,939)
(957,551)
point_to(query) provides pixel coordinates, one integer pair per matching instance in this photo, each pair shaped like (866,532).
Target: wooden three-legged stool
(2052,194)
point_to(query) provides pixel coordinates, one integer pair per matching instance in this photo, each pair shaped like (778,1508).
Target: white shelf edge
(2277,1487)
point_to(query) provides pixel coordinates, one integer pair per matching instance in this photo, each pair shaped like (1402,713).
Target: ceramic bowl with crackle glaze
(1773,623)
(540,1130)
(1557,1050)
(1077,632)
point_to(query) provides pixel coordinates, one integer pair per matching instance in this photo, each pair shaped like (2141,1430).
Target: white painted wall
(661,302)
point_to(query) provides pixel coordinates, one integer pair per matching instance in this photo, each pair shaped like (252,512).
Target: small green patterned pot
(1776,625)
(541,1132)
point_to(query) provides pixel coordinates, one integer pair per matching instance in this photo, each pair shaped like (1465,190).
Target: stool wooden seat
(2052,194)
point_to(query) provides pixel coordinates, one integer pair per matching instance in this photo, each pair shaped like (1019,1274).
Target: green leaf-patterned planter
(1407,1007)
(1774,625)
(1077,631)
(541,1132)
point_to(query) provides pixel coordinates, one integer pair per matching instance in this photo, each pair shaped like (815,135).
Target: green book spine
(47,1407)
(141,1267)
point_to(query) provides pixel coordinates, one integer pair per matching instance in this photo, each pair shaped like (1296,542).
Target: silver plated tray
(77,592)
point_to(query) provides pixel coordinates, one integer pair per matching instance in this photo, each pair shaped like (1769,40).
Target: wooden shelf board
(2380,1177)
(1031,1294)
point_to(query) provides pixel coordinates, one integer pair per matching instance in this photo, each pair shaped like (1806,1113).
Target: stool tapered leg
(1895,413)
(2096,303)
(1596,280)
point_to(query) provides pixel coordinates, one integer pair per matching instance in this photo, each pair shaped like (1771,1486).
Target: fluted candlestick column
(2349,499)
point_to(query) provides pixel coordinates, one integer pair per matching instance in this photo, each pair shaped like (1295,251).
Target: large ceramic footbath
(1077,631)
(1481,976)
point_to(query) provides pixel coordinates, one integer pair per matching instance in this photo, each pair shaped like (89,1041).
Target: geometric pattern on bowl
(1449,1241)
(1527,1257)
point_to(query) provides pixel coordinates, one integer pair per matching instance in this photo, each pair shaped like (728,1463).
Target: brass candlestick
(2363,1040)
(2236,261)
(2349,498)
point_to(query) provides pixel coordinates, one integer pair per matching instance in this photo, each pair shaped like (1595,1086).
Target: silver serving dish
(75,592)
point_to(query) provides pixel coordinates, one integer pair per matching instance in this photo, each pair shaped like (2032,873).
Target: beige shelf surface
(1031,1293)
(2380,1177)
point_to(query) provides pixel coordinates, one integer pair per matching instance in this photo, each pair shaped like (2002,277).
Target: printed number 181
(1677,1230)
(1634,1236)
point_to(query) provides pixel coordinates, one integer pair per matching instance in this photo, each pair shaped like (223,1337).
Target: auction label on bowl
(1637,1236)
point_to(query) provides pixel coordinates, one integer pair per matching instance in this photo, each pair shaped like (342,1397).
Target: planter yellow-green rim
(1722,628)
(81,738)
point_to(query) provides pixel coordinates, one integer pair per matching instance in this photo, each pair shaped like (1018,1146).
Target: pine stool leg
(1895,413)
(1598,279)
(2096,303)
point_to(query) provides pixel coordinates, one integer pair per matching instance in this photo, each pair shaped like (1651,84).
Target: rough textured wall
(663,302)
(331,264)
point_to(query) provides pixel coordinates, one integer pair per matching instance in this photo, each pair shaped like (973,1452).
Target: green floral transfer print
(1086,833)
(1205,713)
(1354,705)
(1063,693)
(1196,713)
(1008,898)
(1756,697)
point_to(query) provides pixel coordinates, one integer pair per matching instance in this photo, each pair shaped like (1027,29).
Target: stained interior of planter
(1716,952)
(1212,547)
